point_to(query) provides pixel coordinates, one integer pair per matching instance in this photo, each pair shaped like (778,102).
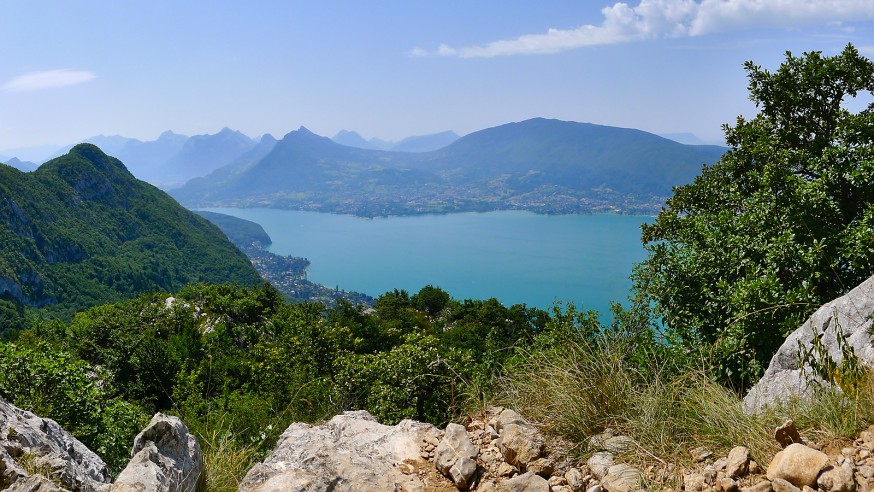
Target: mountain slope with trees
(81,230)
(541,165)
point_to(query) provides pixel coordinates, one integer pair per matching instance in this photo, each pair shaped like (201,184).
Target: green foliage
(239,364)
(848,374)
(82,231)
(241,232)
(11,318)
(780,225)
(431,299)
(55,384)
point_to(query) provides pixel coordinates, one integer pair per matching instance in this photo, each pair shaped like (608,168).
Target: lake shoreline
(518,257)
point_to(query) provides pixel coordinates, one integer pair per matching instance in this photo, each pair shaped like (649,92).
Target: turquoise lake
(516,257)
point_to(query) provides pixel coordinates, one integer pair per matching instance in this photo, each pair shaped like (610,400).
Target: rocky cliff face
(839,325)
(37,455)
(30,443)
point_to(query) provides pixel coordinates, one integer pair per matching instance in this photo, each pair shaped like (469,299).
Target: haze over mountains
(424,143)
(541,165)
(173,159)
(547,166)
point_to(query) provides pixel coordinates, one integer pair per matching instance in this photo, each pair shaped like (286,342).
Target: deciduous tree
(782,223)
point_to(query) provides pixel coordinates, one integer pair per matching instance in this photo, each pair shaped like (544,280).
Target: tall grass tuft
(577,388)
(573,391)
(831,414)
(226,459)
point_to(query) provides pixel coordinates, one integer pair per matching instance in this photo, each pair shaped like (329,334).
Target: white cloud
(49,79)
(652,19)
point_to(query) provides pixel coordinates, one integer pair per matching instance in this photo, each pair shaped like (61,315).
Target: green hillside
(540,165)
(81,230)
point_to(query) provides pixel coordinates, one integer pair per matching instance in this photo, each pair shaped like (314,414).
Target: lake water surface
(516,257)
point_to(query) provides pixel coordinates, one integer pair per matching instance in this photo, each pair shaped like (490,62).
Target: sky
(395,68)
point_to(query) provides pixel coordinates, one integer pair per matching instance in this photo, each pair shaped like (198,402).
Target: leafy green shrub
(54,384)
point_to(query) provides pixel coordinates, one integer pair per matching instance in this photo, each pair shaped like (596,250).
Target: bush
(54,384)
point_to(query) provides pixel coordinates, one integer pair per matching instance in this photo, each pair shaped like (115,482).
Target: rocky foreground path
(497,451)
(500,452)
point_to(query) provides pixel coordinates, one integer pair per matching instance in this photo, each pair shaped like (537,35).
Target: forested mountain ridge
(82,230)
(541,165)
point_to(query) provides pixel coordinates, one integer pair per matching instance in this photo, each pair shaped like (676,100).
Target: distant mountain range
(423,143)
(172,159)
(25,166)
(542,165)
(686,138)
(81,231)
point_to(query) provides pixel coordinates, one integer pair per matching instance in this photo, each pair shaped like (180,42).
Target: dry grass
(225,459)
(573,392)
(832,415)
(577,391)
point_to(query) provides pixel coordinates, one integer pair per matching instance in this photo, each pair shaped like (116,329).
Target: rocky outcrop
(37,455)
(29,442)
(849,315)
(352,452)
(456,456)
(495,451)
(165,458)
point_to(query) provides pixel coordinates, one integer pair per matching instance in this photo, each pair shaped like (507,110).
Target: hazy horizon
(394,70)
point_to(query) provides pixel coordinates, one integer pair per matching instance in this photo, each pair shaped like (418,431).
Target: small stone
(520,443)
(34,483)
(780,485)
(694,482)
(542,466)
(738,462)
(763,486)
(797,464)
(506,470)
(575,479)
(866,471)
(787,434)
(848,452)
(754,467)
(475,425)
(700,454)
(836,479)
(557,481)
(867,436)
(599,463)
(492,432)
(619,444)
(595,488)
(456,456)
(486,487)
(726,484)
(506,417)
(710,476)
(720,463)
(527,482)
(622,478)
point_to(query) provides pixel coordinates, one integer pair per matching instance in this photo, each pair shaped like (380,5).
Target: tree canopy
(781,224)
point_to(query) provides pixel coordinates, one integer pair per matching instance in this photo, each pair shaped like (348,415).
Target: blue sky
(391,69)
